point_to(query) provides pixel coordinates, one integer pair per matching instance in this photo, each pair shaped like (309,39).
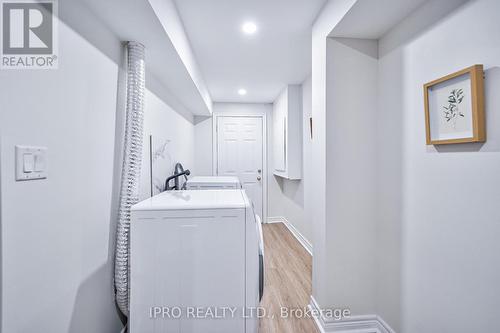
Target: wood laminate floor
(288,268)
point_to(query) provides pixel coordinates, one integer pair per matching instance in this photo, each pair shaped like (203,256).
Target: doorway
(240,150)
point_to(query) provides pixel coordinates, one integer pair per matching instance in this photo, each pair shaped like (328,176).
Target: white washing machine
(194,263)
(212,183)
(228,182)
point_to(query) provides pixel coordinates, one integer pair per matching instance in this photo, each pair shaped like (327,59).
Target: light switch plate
(31,163)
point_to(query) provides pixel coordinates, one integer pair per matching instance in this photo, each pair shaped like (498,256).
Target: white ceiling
(278,54)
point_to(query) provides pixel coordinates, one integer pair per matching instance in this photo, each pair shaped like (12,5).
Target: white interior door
(240,154)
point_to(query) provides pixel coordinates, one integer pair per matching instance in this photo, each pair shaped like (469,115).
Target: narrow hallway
(287,282)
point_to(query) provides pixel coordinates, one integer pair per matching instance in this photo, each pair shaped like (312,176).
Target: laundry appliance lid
(214,180)
(194,199)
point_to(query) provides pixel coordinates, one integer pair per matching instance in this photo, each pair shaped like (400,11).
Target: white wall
(389,193)
(307,167)
(422,235)
(331,14)
(162,121)
(424,232)
(57,235)
(449,212)
(293,196)
(351,95)
(203,146)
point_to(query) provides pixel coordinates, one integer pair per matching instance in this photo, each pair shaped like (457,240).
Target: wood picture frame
(454,108)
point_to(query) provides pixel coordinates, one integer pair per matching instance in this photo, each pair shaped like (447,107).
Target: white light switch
(28,162)
(31,163)
(39,161)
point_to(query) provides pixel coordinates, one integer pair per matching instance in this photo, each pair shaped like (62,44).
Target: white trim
(353,324)
(263,116)
(274,219)
(295,232)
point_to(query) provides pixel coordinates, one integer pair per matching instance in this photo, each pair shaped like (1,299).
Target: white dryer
(194,263)
(212,183)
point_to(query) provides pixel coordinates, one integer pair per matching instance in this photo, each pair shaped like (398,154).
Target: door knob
(259,171)
(259,178)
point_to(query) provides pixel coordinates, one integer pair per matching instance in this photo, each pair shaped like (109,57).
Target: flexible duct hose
(131,168)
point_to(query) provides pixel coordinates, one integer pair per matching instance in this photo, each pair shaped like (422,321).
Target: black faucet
(178,172)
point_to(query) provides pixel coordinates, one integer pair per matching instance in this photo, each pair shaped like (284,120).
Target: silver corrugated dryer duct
(131,168)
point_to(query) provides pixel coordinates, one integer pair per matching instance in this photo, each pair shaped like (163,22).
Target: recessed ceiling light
(242,92)
(249,28)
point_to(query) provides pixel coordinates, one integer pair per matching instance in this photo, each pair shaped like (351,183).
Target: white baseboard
(275,219)
(295,232)
(353,324)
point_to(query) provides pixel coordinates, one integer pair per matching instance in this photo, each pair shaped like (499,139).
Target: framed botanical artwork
(454,108)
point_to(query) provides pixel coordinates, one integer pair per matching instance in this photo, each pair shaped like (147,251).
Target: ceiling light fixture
(242,92)
(249,28)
